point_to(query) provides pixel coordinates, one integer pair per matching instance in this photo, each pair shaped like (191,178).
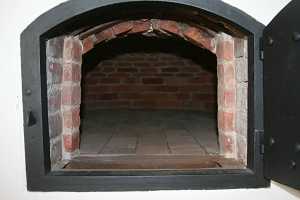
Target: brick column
(241,64)
(226,95)
(54,56)
(71,96)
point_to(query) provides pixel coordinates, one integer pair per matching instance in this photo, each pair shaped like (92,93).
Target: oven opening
(147,95)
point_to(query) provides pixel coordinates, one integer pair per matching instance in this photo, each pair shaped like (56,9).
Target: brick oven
(135,95)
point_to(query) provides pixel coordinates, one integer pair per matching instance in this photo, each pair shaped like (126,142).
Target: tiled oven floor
(149,140)
(135,132)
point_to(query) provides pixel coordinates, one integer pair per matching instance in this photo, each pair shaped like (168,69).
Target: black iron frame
(73,14)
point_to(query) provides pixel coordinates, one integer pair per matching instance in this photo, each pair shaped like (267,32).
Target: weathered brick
(170,69)
(127,69)
(130,96)
(122,27)
(111,80)
(55,151)
(71,95)
(229,99)
(71,118)
(141,26)
(199,37)
(54,98)
(105,35)
(226,75)
(55,125)
(227,144)
(88,44)
(240,48)
(168,26)
(241,69)
(226,121)
(72,50)
(107,96)
(72,72)
(54,47)
(241,148)
(54,72)
(153,81)
(71,142)
(225,50)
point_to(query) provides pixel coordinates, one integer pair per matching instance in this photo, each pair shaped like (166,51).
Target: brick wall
(64,56)
(152,80)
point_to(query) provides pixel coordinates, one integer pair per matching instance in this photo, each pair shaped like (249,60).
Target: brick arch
(199,36)
(221,44)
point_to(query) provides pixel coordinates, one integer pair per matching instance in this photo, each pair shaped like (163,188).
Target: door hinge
(260,135)
(261,49)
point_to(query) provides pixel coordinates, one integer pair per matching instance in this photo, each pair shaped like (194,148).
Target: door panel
(282,96)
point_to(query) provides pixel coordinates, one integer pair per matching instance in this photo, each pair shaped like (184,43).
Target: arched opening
(152,87)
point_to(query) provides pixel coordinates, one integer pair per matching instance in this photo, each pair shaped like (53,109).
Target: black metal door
(282,96)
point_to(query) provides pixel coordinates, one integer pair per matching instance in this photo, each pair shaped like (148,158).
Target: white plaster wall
(15,15)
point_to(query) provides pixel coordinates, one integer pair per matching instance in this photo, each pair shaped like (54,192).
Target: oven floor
(143,139)
(134,132)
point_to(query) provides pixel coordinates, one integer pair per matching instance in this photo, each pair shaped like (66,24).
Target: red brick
(71,95)
(198,37)
(99,74)
(88,44)
(130,80)
(170,69)
(226,121)
(225,50)
(108,69)
(145,104)
(226,74)
(105,35)
(165,74)
(107,96)
(111,104)
(54,99)
(169,104)
(72,72)
(128,69)
(140,26)
(183,96)
(149,70)
(166,88)
(169,26)
(130,96)
(122,28)
(153,81)
(123,64)
(226,144)
(109,80)
(120,75)
(229,99)
(191,69)
(107,63)
(71,142)
(71,118)
(54,72)
(72,50)
(94,89)
(184,75)
(156,96)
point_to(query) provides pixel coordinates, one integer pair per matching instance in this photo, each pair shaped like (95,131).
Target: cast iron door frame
(73,14)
